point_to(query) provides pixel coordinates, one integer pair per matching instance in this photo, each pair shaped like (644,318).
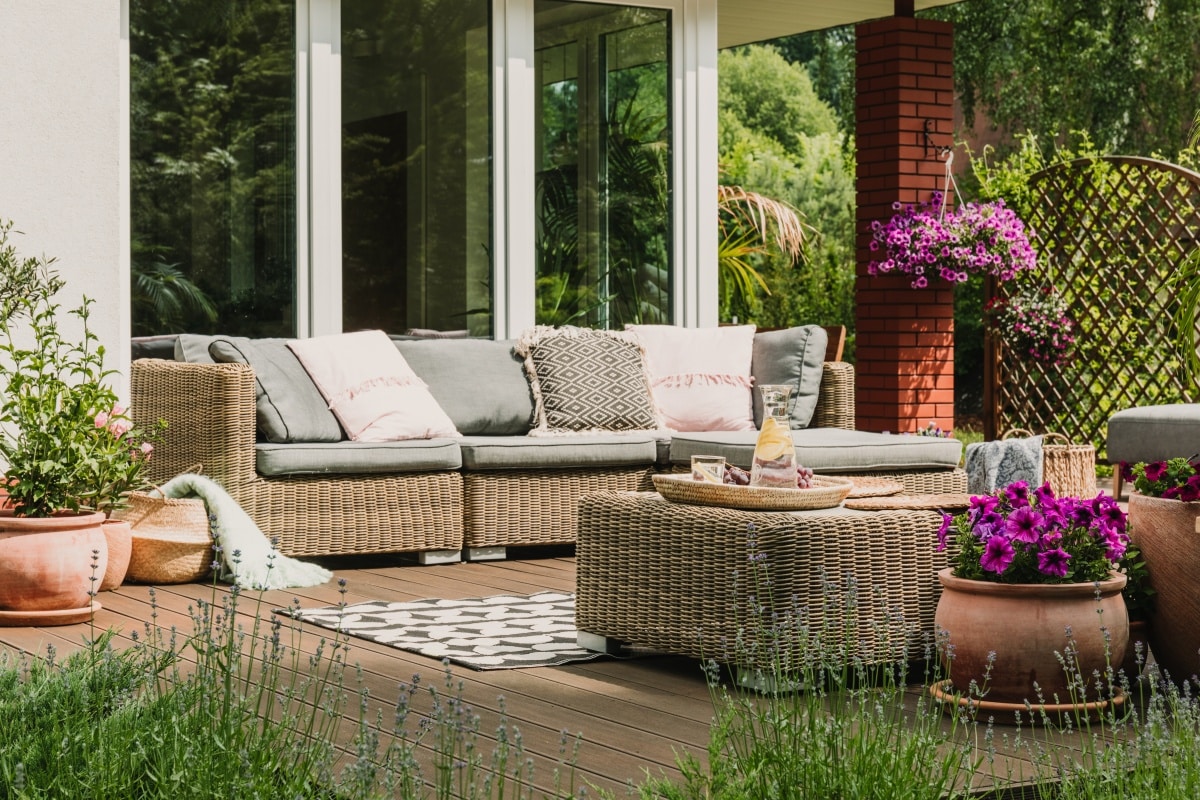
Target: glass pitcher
(774,453)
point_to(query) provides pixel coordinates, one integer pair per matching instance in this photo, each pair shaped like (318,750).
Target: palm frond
(765,216)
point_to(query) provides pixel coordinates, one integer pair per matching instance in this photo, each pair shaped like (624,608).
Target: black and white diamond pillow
(587,381)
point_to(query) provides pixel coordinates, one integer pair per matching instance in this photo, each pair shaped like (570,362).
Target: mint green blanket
(247,557)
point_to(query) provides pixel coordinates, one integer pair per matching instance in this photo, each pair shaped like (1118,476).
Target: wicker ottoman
(680,579)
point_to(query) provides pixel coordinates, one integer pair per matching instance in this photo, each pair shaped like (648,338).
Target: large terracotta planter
(1024,625)
(1165,530)
(46,563)
(118,534)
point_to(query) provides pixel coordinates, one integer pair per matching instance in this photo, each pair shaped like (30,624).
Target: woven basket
(825,493)
(171,539)
(1069,468)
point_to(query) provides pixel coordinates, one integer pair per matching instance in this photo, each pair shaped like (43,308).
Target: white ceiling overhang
(745,21)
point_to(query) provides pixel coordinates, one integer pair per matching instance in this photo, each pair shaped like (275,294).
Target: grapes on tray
(804,477)
(736,476)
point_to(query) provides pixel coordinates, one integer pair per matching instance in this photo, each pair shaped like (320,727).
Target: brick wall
(905,336)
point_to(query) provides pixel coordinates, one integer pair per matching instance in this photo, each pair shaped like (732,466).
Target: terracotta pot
(118,534)
(46,563)
(1165,530)
(1024,625)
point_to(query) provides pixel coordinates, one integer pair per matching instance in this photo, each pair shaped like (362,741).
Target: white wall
(63,152)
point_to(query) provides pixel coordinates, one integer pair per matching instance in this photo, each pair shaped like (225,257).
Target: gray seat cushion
(352,458)
(480,383)
(557,452)
(792,357)
(288,405)
(828,449)
(1154,433)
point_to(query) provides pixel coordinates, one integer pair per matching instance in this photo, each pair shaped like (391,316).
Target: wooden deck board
(634,715)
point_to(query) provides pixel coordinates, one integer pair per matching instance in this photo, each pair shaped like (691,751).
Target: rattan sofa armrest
(835,402)
(210,414)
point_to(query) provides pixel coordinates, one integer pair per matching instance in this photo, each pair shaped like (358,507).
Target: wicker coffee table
(679,579)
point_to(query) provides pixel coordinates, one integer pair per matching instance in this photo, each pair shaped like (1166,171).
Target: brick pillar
(905,336)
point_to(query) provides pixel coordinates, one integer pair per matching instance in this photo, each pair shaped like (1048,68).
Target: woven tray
(874,487)
(825,493)
(943,502)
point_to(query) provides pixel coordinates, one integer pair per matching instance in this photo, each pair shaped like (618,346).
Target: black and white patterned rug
(500,632)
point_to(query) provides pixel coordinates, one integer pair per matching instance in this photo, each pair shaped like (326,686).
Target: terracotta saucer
(61,616)
(1009,713)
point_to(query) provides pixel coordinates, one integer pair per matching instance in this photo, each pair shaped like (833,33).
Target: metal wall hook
(938,151)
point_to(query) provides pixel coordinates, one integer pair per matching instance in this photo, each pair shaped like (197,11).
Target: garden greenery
(1036,323)
(67,443)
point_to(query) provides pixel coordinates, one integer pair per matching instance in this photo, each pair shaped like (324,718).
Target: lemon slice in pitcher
(773,441)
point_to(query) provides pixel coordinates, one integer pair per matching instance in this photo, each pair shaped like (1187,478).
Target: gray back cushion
(193,348)
(480,383)
(289,406)
(794,357)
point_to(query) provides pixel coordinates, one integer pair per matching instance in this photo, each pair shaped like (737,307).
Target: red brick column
(905,336)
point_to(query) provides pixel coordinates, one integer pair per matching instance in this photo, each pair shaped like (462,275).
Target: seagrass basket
(172,542)
(1069,468)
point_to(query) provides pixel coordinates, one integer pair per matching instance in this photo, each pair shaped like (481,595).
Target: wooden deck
(635,715)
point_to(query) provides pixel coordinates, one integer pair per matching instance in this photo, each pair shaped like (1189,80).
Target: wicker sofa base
(679,579)
(313,515)
(536,507)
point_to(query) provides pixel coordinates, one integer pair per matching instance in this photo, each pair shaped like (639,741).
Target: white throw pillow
(371,389)
(700,377)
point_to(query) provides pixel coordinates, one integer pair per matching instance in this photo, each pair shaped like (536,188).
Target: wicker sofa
(491,489)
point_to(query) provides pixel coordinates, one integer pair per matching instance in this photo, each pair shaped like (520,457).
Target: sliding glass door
(416,165)
(308,166)
(213,173)
(602,128)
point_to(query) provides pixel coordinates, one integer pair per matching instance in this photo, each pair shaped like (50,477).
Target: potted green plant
(1164,510)
(68,449)
(1028,566)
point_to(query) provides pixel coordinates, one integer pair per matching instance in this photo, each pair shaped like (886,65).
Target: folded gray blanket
(994,465)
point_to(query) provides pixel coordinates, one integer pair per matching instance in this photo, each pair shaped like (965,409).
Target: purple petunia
(1156,471)
(1054,562)
(1024,535)
(944,531)
(1024,525)
(997,555)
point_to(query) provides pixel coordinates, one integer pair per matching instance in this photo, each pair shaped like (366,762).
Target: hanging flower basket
(1034,323)
(931,241)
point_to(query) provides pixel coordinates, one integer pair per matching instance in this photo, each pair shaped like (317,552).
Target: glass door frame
(694,163)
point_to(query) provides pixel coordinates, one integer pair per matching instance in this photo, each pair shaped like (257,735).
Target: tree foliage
(1126,71)
(779,139)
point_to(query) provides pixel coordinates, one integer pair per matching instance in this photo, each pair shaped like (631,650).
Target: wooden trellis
(1111,233)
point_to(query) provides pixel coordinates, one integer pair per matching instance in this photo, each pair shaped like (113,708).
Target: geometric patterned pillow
(586,381)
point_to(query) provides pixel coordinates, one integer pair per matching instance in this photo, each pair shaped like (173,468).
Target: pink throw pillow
(371,389)
(700,377)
